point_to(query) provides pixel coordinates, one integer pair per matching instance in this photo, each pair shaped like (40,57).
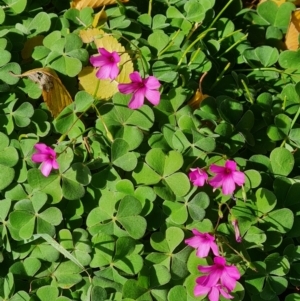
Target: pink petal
(137,99)
(135,77)
(213,278)
(238,177)
(38,158)
(55,164)
(237,233)
(114,71)
(228,185)
(198,176)
(217,169)
(127,88)
(116,57)
(203,250)
(104,52)
(153,96)
(97,61)
(228,282)
(41,147)
(225,294)
(194,242)
(214,294)
(217,181)
(103,72)
(196,232)
(201,290)
(152,83)
(214,248)
(46,168)
(206,269)
(230,165)
(233,272)
(220,261)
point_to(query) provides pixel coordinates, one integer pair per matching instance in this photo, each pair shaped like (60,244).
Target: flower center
(227,171)
(111,59)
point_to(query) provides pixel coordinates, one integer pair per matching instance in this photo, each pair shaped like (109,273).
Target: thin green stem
(233,45)
(229,35)
(201,36)
(221,75)
(143,60)
(220,13)
(150,7)
(96,89)
(108,133)
(295,118)
(170,43)
(193,29)
(62,137)
(247,91)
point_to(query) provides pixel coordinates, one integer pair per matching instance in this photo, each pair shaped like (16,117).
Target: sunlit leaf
(291,38)
(106,88)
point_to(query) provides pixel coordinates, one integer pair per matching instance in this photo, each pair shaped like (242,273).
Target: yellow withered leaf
(198,97)
(196,100)
(29,46)
(278,2)
(54,92)
(106,88)
(80,4)
(292,35)
(100,18)
(89,35)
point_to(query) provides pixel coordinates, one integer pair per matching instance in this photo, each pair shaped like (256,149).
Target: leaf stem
(220,14)
(201,36)
(150,7)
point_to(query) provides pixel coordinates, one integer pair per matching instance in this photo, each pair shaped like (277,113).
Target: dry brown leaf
(80,4)
(29,46)
(291,38)
(196,100)
(198,97)
(54,92)
(106,88)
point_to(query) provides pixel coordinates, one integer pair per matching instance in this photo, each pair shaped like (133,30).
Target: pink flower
(108,63)
(203,242)
(219,273)
(47,156)
(235,225)
(226,177)
(141,88)
(198,176)
(213,292)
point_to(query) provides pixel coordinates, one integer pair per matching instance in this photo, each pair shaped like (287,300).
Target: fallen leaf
(29,46)
(100,18)
(89,35)
(106,88)
(80,4)
(198,97)
(54,92)
(196,100)
(292,35)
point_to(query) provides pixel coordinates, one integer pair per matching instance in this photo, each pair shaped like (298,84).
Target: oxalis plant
(149,151)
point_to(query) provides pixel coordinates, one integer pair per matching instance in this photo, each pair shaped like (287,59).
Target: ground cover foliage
(111,222)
